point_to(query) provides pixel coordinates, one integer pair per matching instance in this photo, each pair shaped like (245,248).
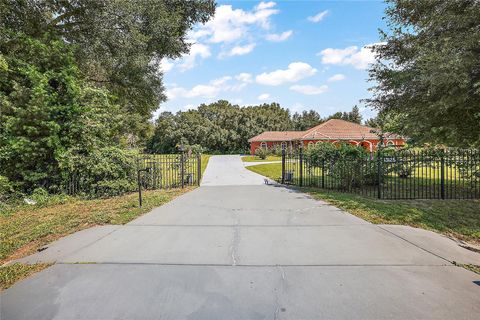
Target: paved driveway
(246,251)
(229,170)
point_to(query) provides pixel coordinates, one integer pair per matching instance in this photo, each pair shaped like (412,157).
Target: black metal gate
(420,174)
(162,171)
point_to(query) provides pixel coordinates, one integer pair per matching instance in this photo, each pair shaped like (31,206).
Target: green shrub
(9,196)
(40,196)
(262,153)
(46,109)
(348,165)
(108,171)
(6,189)
(276,150)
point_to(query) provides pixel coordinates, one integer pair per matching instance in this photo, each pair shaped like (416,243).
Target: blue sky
(301,54)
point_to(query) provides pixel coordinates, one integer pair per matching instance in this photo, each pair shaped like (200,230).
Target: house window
(311,144)
(366,144)
(390,143)
(263,145)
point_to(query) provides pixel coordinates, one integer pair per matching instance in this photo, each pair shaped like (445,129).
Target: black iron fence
(420,174)
(136,172)
(161,171)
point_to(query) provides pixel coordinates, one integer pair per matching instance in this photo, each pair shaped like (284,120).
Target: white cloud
(209,90)
(295,72)
(239,50)
(308,89)
(244,77)
(360,58)
(201,90)
(265,5)
(336,56)
(318,17)
(337,77)
(196,50)
(175,92)
(166,65)
(230,24)
(279,37)
(221,81)
(263,96)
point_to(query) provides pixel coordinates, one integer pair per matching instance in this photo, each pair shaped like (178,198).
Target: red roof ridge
(333,129)
(277,136)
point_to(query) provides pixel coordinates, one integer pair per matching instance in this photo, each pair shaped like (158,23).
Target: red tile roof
(339,129)
(278,136)
(333,129)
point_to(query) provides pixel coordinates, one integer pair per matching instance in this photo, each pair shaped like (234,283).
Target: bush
(277,150)
(108,171)
(346,164)
(9,196)
(262,153)
(6,189)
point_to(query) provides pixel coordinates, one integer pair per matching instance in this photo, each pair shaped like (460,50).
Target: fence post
(283,166)
(182,169)
(323,173)
(379,174)
(199,168)
(139,188)
(301,165)
(442,176)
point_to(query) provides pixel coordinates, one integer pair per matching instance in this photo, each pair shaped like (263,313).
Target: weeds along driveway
(246,251)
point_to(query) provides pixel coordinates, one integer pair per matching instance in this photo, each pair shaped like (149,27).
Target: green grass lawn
(425,183)
(204,162)
(457,218)
(18,271)
(271,170)
(257,159)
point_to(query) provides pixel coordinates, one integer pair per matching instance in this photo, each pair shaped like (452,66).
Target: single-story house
(333,131)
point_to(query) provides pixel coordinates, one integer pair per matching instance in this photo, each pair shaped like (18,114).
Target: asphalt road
(238,249)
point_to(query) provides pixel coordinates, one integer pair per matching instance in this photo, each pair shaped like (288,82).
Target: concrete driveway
(229,170)
(237,249)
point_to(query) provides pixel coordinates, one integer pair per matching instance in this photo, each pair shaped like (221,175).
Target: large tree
(119,43)
(306,120)
(47,110)
(217,127)
(352,116)
(428,70)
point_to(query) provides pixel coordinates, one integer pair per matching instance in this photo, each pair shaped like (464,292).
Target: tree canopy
(79,81)
(352,116)
(47,110)
(118,44)
(222,127)
(306,120)
(427,72)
